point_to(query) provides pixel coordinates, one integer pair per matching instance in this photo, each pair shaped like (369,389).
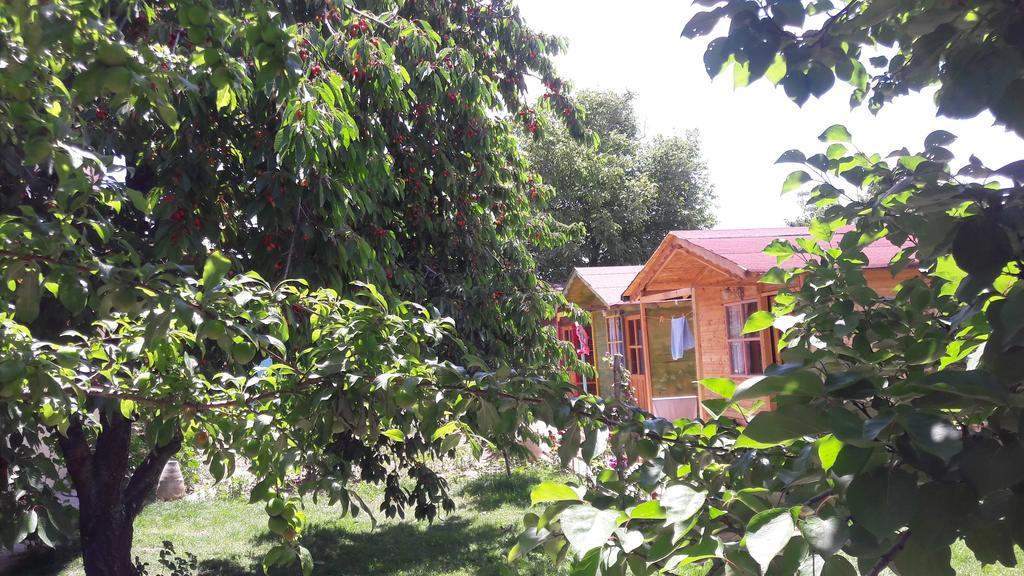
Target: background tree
(621,196)
(897,425)
(189,190)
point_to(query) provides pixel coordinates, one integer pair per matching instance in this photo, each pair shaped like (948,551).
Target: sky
(636,46)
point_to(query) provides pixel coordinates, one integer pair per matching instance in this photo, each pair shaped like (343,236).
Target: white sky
(636,46)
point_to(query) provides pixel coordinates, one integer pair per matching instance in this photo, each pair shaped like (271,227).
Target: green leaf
(553,492)
(26,305)
(768,533)
(588,565)
(780,249)
(989,465)
(216,267)
(777,71)
(724,387)
(794,383)
(782,426)
(394,434)
(825,535)
(836,133)
(788,12)
(570,444)
(651,510)
(224,96)
(922,557)
(838,566)
(444,431)
(791,157)
(988,534)
(828,451)
(882,500)
(681,502)
(73,293)
(795,180)
(702,23)
(758,321)
(586,527)
(487,416)
(305,561)
(932,434)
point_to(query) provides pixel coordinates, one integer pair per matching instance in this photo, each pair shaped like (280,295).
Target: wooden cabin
(661,383)
(720,270)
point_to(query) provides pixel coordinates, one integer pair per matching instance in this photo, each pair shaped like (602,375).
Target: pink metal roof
(608,282)
(745,247)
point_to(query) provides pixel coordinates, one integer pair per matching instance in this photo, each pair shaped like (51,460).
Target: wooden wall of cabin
(670,378)
(711,341)
(711,319)
(600,348)
(883,282)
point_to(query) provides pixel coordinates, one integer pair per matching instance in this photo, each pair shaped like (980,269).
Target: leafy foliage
(971,49)
(618,197)
(896,425)
(189,190)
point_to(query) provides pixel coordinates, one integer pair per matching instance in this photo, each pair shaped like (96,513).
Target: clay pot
(172,483)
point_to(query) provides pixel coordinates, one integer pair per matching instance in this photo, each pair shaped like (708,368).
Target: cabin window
(745,352)
(616,345)
(635,346)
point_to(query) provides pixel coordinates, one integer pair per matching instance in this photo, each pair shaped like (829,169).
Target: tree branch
(146,476)
(889,556)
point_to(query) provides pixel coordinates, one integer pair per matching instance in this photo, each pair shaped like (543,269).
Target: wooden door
(636,359)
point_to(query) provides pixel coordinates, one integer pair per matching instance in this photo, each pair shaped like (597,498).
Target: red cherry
(452,96)
(101,114)
(315,71)
(298,114)
(304,54)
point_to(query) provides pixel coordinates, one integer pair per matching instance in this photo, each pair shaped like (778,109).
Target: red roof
(745,247)
(606,282)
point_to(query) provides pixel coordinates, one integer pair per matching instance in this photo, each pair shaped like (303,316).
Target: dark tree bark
(107,504)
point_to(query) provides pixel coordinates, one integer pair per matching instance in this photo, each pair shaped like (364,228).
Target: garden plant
(897,425)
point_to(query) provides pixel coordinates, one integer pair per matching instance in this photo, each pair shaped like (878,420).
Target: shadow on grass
(43,561)
(413,549)
(490,492)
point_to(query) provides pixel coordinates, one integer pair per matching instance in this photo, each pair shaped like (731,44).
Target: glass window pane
(735,320)
(737,363)
(755,363)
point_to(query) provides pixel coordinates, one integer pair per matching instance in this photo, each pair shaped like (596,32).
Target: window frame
(636,360)
(743,339)
(614,327)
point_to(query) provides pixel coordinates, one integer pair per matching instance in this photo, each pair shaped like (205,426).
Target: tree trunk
(108,501)
(106,543)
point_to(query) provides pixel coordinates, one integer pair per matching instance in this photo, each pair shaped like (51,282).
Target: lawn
(229,537)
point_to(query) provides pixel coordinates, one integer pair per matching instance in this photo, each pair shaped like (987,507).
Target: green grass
(229,537)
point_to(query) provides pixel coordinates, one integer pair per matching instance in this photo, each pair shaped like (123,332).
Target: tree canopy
(896,429)
(619,197)
(214,215)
